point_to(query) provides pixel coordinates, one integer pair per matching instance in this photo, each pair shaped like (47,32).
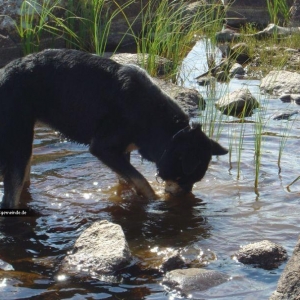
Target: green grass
(35,18)
(278,11)
(91,20)
(170,32)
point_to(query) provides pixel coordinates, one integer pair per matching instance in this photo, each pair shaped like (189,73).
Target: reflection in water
(164,223)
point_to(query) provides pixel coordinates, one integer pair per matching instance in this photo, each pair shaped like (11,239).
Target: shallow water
(70,189)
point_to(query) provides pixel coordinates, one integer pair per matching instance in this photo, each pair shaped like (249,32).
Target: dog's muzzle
(175,189)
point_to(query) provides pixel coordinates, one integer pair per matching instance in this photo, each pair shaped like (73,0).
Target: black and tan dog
(112,108)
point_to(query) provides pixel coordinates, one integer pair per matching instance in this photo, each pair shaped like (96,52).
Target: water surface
(70,189)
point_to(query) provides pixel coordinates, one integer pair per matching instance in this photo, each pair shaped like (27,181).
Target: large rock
(281,82)
(189,99)
(100,250)
(193,279)
(264,254)
(239,103)
(289,283)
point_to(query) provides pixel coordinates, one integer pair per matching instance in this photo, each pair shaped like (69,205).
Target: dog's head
(186,159)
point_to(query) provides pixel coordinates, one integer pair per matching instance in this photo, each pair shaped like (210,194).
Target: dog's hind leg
(119,163)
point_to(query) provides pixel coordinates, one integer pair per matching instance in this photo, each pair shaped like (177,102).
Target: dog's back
(76,93)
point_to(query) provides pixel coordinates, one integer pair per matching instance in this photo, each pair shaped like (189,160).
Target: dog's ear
(217,149)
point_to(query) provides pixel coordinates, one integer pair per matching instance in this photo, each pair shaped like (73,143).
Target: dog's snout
(176,189)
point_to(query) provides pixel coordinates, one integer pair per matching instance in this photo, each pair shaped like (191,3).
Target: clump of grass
(271,52)
(171,31)
(35,18)
(211,118)
(278,9)
(258,139)
(92,21)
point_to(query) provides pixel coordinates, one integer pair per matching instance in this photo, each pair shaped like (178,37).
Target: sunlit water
(70,189)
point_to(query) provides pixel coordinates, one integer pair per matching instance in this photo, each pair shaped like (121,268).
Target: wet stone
(189,257)
(295,98)
(190,280)
(264,254)
(236,69)
(195,257)
(172,260)
(285,116)
(100,250)
(238,103)
(5,266)
(206,80)
(286,98)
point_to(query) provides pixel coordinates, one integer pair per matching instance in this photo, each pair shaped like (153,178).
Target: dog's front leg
(119,163)
(16,174)
(15,177)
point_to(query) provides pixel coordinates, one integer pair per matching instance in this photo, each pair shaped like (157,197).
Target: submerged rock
(206,80)
(100,250)
(289,282)
(193,279)
(239,103)
(264,254)
(171,261)
(285,116)
(294,98)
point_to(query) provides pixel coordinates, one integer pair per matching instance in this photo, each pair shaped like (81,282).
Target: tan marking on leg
(27,172)
(143,188)
(131,147)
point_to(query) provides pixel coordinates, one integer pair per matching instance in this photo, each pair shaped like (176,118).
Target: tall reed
(284,133)
(35,18)
(278,9)
(92,21)
(170,31)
